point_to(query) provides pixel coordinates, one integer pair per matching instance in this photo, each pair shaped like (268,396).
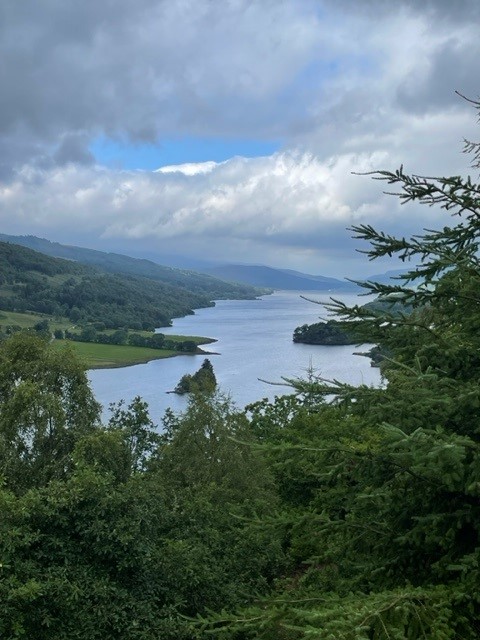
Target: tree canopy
(46,405)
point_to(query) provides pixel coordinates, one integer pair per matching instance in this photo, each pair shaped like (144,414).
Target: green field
(96,355)
(197,339)
(27,320)
(109,356)
(106,356)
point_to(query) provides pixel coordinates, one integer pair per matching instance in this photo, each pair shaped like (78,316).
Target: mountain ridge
(186,279)
(216,282)
(264,276)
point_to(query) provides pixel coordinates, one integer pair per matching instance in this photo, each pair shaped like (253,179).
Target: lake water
(254,343)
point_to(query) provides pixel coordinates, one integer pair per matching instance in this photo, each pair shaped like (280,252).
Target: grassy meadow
(96,355)
(106,356)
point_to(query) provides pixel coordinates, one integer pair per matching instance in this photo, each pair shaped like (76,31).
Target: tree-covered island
(202,381)
(351,332)
(330,332)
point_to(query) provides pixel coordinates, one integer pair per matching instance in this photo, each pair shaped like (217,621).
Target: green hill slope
(197,283)
(31,281)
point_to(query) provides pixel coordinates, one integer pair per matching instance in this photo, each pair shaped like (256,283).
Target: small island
(202,381)
(338,332)
(332,332)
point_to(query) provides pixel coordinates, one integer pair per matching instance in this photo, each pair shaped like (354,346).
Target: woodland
(334,512)
(138,295)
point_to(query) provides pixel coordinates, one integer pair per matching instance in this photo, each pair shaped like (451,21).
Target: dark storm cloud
(73,148)
(61,60)
(139,70)
(452,68)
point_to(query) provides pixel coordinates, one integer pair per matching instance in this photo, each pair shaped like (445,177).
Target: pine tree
(386,542)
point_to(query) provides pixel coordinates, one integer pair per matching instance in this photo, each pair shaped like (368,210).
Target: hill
(32,281)
(212,288)
(262,276)
(232,281)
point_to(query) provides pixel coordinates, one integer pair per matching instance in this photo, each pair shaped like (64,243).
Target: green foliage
(138,431)
(331,332)
(82,559)
(202,381)
(220,487)
(338,332)
(435,613)
(118,532)
(209,444)
(45,406)
(123,297)
(149,340)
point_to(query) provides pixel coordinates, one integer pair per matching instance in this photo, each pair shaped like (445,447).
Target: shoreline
(120,365)
(107,356)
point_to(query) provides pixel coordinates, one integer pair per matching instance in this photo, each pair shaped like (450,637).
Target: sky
(230,131)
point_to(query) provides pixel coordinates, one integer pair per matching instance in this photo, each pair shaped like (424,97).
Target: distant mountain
(200,284)
(177,261)
(262,276)
(212,282)
(389,277)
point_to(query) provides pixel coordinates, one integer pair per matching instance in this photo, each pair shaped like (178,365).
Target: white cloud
(189,168)
(243,209)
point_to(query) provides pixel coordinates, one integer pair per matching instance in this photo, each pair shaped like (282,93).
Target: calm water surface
(254,341)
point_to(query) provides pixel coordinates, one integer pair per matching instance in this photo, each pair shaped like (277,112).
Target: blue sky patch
(125,155)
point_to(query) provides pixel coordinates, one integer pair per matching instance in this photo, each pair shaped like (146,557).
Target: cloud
(189,168)
(290,203)
(404,64)
(345,86)
(73,149)
(151,68)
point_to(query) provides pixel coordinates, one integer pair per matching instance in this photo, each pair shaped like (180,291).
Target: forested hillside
(333,513)
(32,281)
(199,284)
